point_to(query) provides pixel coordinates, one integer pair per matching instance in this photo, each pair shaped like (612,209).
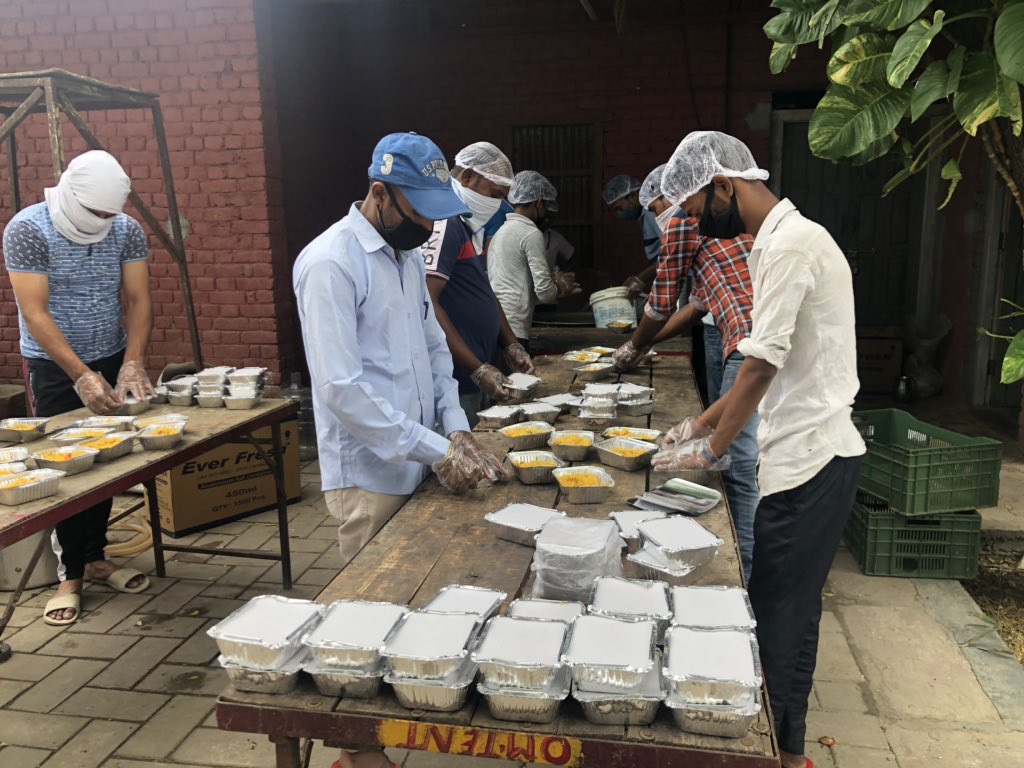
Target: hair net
(618,187)
(703,155)
(487,160)
(530,186)
(650,190)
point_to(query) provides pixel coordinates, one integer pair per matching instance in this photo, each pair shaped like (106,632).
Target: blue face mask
(630,214)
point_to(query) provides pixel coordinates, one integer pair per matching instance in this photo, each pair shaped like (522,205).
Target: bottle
(307,426)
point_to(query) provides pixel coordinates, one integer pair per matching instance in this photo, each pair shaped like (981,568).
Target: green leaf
(910,48)
(956,67)
(978,97)
(793,24)
(1008,40)
(1013,361)
(861,60)
(932,85)
(1009,102)
(875,149)
(951,173)
(823,19)
(847,121)
(884,14)
(780,57)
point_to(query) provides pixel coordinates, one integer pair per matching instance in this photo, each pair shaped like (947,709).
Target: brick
(172,600)
(158,626)
(91,746)
(11,688)
(111,704)
(30,729)
(33,637)
(211,607)
(22,757)
(110,614)
(174,678)
(134,665)
(30,667)
(167,728)
(57,686)
(219,748)
(86,646)
(200,648)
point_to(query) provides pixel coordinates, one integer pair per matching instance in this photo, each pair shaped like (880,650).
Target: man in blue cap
(622,196)
(383,392)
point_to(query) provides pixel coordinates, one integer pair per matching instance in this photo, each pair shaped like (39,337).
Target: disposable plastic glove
(518,358)
(696,454)
(566,284)
(690,428)
(494,470)
(133,380)
(627,357)
(96,393)
(634,286)
(491,382)
(464,467)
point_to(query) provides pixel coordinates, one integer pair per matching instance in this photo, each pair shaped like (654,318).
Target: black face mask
(724,226)
(406,235)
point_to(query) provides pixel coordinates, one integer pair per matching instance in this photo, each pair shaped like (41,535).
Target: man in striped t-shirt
(70,259)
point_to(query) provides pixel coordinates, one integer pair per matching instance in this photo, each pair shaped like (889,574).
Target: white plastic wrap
(571,553)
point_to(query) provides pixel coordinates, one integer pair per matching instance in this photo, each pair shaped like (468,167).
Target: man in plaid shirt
(721,286)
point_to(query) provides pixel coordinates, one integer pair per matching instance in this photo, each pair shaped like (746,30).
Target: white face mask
(481,206)
(664,216)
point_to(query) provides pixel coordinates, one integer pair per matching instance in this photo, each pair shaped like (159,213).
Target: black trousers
(80,539)
(796,535)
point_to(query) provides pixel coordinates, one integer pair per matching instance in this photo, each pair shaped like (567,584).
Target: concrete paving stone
(298,591)
(128,669)
(175,678)
(33,637)
(22,757)
(944,688)
(946,746)
(310,545)
(49,692)
(329,532)
(91,746)
(81,645)
(835,659)
(862,757)
(243,575)
(265,517)
(254,537)
(111,704)
(301,561)
(846,728)
(11,688)
(840,696)
(226,592)
(120,762)
(198,558)
(35,598)
(197,571)
(330,556)
(822,756)
(198,649)
(848,584)
(829,623)
(23,616)
(211,607)
(112,613)
(211,720)
(158,626)
(210,747)
(318,577)
(29,666)
(31,729)
(303,524)
(174,597)
(167,728)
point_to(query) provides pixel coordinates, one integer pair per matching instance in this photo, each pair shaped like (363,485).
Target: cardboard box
(226,483)
(879,364)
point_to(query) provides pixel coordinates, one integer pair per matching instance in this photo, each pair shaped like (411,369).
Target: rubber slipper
(60,603)
(119,580)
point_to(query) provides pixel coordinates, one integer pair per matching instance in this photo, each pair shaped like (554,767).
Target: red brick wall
(208,61)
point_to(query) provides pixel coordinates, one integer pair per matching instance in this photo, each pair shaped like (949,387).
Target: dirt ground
(999,590)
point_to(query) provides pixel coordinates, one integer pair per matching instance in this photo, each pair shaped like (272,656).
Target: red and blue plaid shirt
(721,280)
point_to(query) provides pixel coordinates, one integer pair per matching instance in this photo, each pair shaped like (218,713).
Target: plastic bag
(571,553)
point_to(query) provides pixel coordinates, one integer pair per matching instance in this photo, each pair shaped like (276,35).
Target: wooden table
(437,539)
(208,428)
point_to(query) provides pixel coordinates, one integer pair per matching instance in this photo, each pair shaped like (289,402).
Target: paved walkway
(910,674)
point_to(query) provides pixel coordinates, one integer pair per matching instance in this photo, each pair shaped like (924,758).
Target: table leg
(44,541)
(287,751)
(277,467)
(154,524)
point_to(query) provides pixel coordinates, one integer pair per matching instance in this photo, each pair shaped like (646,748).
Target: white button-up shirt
(517,267)
(378,359)
(803,324)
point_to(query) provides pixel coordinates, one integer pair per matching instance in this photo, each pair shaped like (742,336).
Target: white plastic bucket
(612,305)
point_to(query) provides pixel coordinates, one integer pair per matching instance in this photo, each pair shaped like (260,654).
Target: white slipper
(60,603)
(119,580)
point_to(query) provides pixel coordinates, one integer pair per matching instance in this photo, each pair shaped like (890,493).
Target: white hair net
(703,155)
(618,187)
(650,190)
(530,186)
(487,160)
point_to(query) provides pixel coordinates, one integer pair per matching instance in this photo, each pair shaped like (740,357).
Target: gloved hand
(566,284)
(518,358)
(690,428)
(634,285)
(466,464)
(627,357)
(696,454)
(493,469)
(491,382)
(133,380)
(96,393)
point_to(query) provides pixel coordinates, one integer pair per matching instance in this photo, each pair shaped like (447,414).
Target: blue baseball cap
(416,165)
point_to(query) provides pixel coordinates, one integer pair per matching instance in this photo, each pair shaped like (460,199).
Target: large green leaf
(884,14)
(951,173)
(931,86)
(1008,40)
(780,57)
(826,19)
(875,149)
(1013,361)
(861,60)
(911,47)
(793,24)
(956,67)
(1009,102)
(847,121)
(977,99)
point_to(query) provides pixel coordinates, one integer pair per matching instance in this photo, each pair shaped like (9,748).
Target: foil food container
(77,459)
(214,375)
(43,483)
(646,408)
(349,683)
(520,653)
(352,634)
(180,399)
(182,384)
(536,437)
(125,443)
(714,719)
(600,350)
(630,393)
(608,394)
(12,468)
(561,401)
(210,401)
(712,607)
(553,610)
(712,667)
(252,376)
(458,598)
(242,403)
(22,430)
(633,433)
(680,540)
(132,407)
(571,452)
(521,386)
(155,442)
(73,435)
(579,357)
(653,566)
(627,519)
(534,475)
(160,418)
(210,389)
(637,706)
(610,655)
(594,371)
(541,412)
(265,632)
(245,390)
(446,695)
(7,455)
(591,494)
(520,523)
(521,705)
(279,681)
(632,599)
(430,646)
(606,453)
(119,423)
(159,395)
(499,416)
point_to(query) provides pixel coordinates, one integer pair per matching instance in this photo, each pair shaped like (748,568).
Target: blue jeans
(713,361)
(741,478)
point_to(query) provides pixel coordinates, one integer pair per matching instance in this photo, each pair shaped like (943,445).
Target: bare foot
(101,570)
(367,758)
(70,587)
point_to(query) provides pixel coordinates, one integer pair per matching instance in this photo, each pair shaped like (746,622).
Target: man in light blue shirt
(383,392)
(622,196)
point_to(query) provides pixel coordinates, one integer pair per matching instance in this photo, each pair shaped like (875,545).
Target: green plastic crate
(921,469)
(886,543)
